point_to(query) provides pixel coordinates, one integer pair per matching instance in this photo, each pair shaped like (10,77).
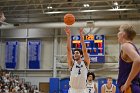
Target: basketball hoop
(89,27)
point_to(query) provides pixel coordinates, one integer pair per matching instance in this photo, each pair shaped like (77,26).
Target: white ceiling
(29,11)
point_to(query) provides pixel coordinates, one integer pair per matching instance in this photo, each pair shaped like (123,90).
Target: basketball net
(2,17)
(89,27)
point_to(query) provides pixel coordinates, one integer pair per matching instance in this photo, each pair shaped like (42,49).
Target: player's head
(126,32)
(90,76)
(109,80)
(77,54)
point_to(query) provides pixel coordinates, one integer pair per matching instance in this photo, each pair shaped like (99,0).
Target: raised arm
(69,52)
(85,54)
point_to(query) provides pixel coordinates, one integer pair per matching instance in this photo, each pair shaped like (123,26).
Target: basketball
(69,19)
(128,90)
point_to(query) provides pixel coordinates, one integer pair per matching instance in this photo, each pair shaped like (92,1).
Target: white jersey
(90,87)
(78,76)
(108,90)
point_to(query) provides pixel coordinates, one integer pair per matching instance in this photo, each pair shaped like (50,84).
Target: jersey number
(89,90)
(79,72)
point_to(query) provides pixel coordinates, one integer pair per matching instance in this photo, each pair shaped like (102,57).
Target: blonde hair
(109,77)
(129,30)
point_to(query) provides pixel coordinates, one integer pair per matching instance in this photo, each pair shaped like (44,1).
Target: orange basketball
(69,19)
(128,90)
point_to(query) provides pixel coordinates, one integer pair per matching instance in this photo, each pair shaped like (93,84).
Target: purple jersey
(124,70)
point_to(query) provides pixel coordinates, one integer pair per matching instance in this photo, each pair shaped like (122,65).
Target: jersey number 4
(79,72)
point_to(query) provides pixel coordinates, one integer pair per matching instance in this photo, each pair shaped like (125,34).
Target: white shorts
(72,90)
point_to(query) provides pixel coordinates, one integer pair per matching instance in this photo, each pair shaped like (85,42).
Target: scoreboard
(94,44)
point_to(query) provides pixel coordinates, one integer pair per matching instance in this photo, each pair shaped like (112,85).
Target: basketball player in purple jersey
(129,60)
(78,67)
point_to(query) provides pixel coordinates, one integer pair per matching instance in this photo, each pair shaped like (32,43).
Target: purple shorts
(135,88)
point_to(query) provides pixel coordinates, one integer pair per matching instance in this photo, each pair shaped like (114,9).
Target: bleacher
(10,83)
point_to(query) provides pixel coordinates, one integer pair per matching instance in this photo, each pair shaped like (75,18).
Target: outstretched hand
(67,30)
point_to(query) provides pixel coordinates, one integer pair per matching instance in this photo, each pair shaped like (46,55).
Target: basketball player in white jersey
(109,87)
(91,86)
(78,67)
